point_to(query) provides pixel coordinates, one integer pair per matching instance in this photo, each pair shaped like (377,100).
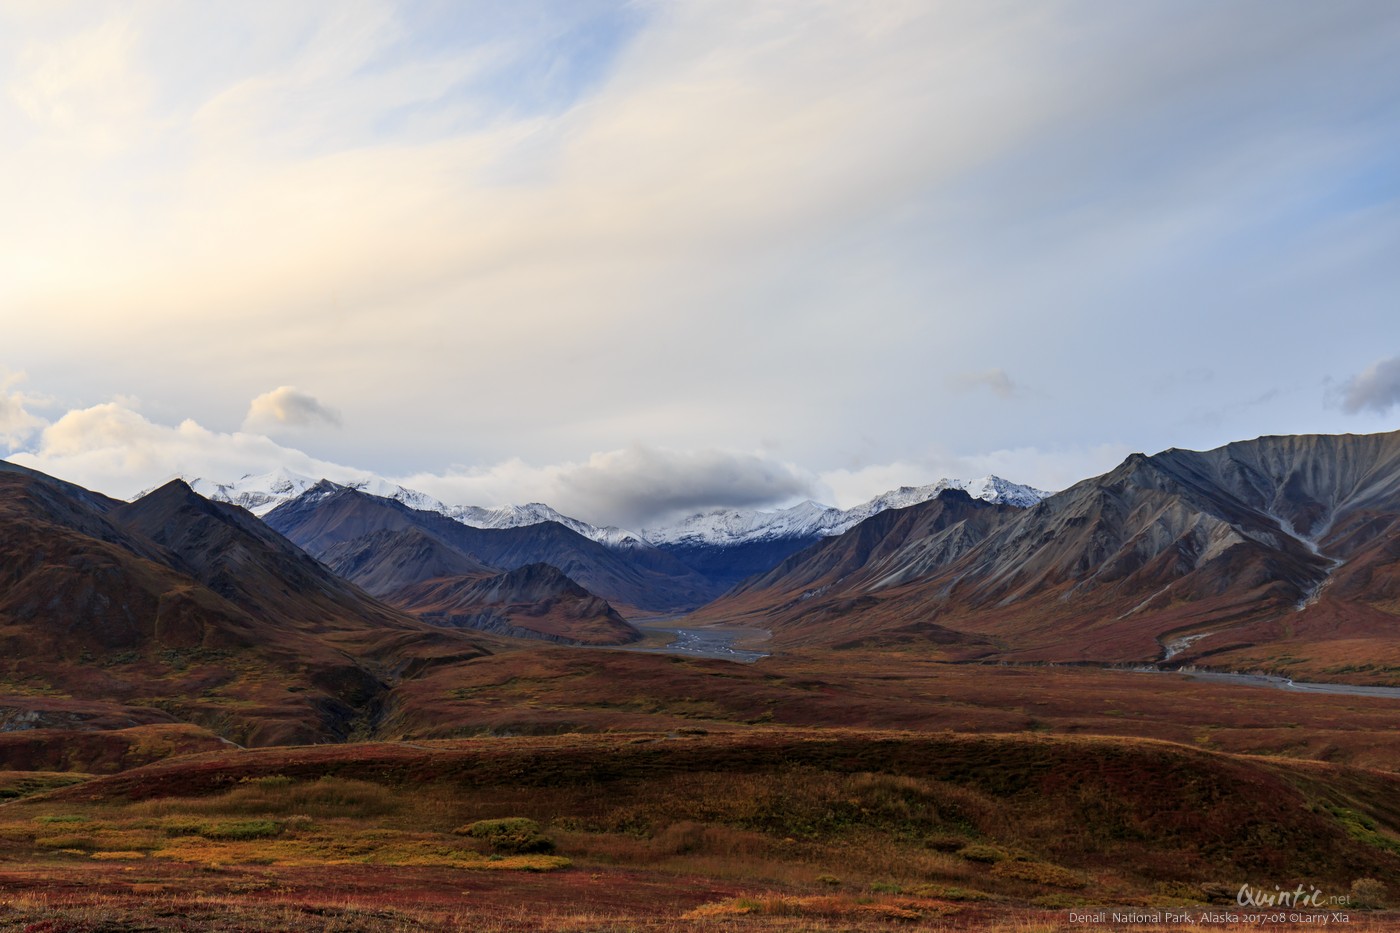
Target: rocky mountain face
(384,561)
(724,545)
(643,579)
(1239,555)
(533,601)
(196,609)
(261,493)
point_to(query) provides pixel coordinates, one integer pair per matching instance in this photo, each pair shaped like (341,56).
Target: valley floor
(809,791)
(823,829)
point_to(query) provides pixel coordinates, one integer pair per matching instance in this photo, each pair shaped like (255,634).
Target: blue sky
(630,257)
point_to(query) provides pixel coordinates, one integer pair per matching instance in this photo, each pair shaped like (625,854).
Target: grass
(778,830)
(556,691)
(935,809)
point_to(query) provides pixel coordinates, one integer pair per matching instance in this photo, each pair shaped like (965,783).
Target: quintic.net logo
(1300,896)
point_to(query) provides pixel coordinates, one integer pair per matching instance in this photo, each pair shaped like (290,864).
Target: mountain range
(1280,553)
(335,523)
(263,492)
(176,608)
(722,546)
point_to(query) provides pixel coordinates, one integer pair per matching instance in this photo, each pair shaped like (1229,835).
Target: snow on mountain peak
(813,520)
(263,492)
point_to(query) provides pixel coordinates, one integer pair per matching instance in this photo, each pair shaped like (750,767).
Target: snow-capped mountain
(727,527)
(260,493)
(534,513)
(263,492)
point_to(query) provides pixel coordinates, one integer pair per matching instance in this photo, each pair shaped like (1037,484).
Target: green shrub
(269,780)
(510,836)
(988,855)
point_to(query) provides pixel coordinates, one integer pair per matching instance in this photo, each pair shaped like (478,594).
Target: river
(1283,683)
(706,642)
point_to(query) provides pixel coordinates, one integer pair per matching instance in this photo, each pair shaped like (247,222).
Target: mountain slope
(1277,548)
(533,601)
(829,585)
(261,493)
(194,608)
(384,561)
(731,545)
(644,578)
(730,528)
(811,520)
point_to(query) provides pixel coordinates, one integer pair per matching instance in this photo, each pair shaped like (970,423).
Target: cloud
(16,424)
(634,487)
(995,380)
(84,91)
(1377,388)
(1051,469)
(115,449)
(756,225)
(288,406)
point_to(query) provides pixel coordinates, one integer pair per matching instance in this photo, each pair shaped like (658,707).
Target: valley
(717,641)
(956,712)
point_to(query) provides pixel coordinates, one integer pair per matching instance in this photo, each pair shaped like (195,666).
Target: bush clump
(243,829)
(986,854)
(1038,873)
(1368,894)
(510,836)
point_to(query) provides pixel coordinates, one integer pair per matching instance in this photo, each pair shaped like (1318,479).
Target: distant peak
(175,487)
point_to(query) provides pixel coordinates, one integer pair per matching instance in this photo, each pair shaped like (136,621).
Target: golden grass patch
(823,906)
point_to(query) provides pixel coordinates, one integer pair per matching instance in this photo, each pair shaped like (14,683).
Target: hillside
(1252,554)
(533,601)
(194,609)
(835,830)
(384,561)
(327,516)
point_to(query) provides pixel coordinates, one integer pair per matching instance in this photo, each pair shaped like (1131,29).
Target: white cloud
(288,406)
(634,487)
(1049,469)
(115,449)
(16,424)
(85,90)
(1377,387)
(758,224)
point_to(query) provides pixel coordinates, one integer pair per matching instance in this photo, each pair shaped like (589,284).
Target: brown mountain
(638,579)
(534,601)
(1277,552)
(195,609)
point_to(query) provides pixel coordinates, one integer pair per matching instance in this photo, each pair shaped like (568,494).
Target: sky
(637,259)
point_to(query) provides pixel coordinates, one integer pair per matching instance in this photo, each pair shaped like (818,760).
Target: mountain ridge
(197,610)
(261,493)
(1283,547)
